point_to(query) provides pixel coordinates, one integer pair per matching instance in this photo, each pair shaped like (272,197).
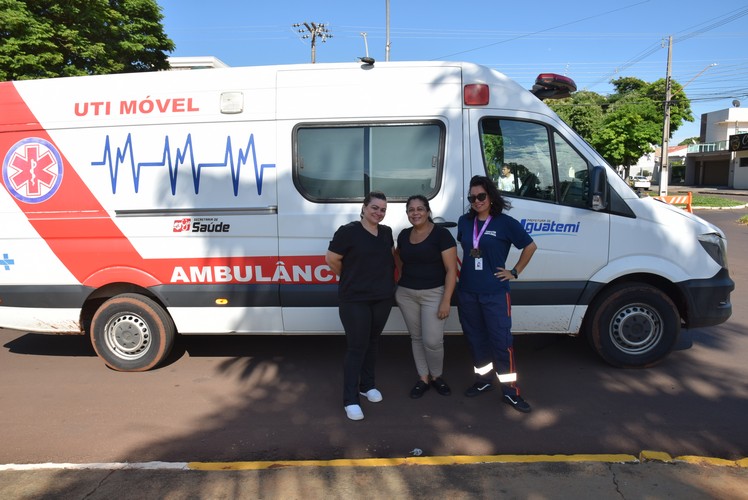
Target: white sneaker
(372,395)
(354,412)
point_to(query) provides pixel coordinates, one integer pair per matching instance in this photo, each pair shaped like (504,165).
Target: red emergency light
(475,94)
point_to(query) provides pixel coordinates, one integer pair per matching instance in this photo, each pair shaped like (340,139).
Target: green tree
(680,106)
(583,111)
(630,128)
(690,140)
(47,38)
(626,124)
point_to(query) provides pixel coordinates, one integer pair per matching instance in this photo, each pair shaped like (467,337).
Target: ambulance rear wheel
(633,325)
(131,333)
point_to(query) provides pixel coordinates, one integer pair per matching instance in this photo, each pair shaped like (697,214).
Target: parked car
(639,182)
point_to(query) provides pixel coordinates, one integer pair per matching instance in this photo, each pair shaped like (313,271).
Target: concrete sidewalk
(536,477)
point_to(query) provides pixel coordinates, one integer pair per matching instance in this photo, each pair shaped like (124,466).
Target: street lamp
(698,75)
(313,31)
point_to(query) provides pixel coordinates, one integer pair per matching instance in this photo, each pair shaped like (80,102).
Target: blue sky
(590,41)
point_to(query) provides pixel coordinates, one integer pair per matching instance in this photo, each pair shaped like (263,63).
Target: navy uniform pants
(486,320)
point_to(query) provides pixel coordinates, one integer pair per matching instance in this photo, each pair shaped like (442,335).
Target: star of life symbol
(32,170)
(6,262)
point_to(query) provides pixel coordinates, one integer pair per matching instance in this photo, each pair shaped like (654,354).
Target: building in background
(714,162)
(739,149)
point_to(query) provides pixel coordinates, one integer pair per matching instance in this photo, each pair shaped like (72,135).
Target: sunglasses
(479,197)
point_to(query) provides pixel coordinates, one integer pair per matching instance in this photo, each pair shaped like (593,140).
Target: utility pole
(313,31)
(664,171)
(387,25)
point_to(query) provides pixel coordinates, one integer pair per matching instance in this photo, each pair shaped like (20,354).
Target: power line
(541,31)
(697,30)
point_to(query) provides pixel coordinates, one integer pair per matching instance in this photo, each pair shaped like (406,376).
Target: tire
(633,325)
(132,333)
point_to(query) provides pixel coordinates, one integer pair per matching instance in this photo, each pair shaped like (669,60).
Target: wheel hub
(128,335)
(636,329)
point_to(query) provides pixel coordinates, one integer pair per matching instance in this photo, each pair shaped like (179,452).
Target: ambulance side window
(573,174)
(528,160)
(344,162)
(524,148)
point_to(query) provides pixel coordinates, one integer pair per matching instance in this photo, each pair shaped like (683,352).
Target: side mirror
(598,198)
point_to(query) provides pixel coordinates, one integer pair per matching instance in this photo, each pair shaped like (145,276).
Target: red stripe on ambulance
(69,238)
(115,259)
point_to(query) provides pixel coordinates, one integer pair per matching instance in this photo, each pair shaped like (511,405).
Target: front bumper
(708,300)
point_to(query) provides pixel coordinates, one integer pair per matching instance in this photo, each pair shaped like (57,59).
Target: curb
(645,456)
(737,207)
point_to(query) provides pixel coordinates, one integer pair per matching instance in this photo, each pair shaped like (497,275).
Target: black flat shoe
(418,390)
(441,386)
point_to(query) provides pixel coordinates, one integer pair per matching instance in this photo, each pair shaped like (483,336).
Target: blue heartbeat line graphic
(183,156)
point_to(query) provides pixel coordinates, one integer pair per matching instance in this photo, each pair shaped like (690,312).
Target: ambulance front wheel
(131,333)
(633,325)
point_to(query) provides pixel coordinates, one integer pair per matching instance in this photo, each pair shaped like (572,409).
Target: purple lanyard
(476,234)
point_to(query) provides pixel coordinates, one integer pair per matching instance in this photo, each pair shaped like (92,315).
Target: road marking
(395,462)
(644,456)
(102,466)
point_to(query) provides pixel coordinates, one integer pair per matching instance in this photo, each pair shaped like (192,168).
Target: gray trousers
(419,309)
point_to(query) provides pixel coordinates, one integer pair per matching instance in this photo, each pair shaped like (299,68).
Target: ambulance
(139,207)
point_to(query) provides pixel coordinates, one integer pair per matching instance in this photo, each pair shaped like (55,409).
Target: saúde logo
(181,225)
(200,225)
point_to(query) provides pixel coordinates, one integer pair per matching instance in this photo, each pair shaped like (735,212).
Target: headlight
(716,246)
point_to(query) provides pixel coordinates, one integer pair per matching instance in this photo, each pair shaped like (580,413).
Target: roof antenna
(369,61)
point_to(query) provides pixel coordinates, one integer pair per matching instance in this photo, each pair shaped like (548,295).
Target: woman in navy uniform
(486,234)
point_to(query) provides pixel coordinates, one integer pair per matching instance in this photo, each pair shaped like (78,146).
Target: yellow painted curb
(743,462)
(394,462)
(659,456)
(696,460)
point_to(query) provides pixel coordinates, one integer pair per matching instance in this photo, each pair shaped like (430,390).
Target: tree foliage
(625,125)
(690,140)
(47,38)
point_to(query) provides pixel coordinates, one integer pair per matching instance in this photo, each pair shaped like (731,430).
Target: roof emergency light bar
(553,86)
(547,86)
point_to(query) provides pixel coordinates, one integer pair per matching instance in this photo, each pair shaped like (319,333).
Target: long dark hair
(498,203)
(367,199)
(422,199)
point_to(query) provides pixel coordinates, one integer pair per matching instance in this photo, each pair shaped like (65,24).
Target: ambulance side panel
(394,129)
(162,191)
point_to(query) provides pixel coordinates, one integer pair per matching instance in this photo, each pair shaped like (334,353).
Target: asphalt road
(278,398)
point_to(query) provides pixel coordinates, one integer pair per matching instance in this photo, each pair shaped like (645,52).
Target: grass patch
(710,201)
(714,201)
(743,220)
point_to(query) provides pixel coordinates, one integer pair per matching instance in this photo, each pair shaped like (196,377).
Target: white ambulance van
(138,207)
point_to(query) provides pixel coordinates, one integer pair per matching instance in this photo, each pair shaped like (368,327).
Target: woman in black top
(427,260)
(361,254)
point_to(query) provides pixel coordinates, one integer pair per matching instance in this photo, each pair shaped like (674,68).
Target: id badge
(479,264)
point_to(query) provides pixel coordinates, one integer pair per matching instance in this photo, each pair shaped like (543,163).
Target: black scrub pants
(363,322)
